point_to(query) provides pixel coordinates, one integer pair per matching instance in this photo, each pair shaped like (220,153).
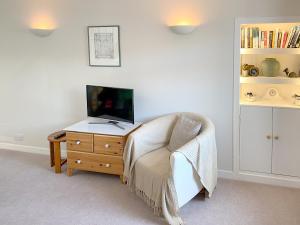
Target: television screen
(110,103)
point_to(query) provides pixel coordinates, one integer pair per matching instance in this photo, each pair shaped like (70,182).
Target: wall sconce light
(42,24)
(183,28)
(42,32)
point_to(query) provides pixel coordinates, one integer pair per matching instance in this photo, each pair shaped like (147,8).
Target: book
(259,38)
(255,37)
(266,39)
(275,38)
(284,39)
(298,42)
(294,35)
(248,37)
(290,37)
(279,38)
(243,37)
(251,38)
(262,36)
(295,38)
(270,44)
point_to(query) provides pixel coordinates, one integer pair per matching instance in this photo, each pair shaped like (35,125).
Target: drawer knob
(107,145)
(77,142)
(107,165)
(78,161)
(276,138)
(268,137)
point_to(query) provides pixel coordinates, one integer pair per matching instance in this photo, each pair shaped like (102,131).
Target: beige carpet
(31,194)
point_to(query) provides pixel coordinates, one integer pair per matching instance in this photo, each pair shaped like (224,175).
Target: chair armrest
(151,136)
(178,159)
(186,181)
(162,127)
(154,134)
(201,153)
(178,162)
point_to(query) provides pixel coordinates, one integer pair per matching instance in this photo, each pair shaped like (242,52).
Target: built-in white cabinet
(256,139)
(266,120)
(286,142)
(270,140)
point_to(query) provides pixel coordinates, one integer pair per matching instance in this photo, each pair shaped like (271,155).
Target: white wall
(43,80)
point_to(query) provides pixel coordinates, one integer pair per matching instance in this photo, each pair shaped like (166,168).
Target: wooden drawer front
(79,142)
(112,145)
(96,162)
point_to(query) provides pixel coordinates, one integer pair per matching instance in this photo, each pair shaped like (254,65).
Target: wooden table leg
(203,192)
(57,159)
(51,154)
(69,172)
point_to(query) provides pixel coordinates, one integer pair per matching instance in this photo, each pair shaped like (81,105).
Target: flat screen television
(113,104)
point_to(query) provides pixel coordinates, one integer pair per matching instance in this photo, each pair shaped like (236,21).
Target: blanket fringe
(156,209)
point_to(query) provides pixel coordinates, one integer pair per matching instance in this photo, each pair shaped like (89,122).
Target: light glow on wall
(42,21)
(183,16)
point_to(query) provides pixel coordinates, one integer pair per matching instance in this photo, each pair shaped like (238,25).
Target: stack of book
(254,37)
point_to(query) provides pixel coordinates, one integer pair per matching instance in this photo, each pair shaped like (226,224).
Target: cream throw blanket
(200,152)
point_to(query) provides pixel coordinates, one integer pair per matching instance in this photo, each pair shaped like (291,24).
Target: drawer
(112,145)
(79,142)
(95,162)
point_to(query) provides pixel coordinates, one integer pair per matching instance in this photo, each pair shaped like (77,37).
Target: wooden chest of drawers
(94,152)
(96,145)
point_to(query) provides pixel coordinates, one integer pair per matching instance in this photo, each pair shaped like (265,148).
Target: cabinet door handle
(276,138)
(78,161)
(268,137)
(77,142)
(107,145)
(107,165)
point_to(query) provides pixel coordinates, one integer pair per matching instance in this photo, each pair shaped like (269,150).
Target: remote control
(59,135)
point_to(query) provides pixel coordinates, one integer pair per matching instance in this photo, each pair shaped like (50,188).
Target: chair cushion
(185,130)
(150,170)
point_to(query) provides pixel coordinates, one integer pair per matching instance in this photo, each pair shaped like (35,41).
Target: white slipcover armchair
(148,162)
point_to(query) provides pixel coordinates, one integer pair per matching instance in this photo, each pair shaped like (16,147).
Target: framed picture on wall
(104,46)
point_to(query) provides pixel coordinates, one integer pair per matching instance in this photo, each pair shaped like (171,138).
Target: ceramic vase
(270,67)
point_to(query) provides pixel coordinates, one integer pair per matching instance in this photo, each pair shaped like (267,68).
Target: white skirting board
(29,149)
(271,179)
(226,174)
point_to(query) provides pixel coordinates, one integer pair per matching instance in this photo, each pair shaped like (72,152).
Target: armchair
(168,180)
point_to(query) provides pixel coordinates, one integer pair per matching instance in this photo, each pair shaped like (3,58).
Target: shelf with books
(270,51)
(270,36)
(269,80)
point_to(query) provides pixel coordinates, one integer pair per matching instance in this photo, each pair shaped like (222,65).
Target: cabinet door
(286,143)
(256,139)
